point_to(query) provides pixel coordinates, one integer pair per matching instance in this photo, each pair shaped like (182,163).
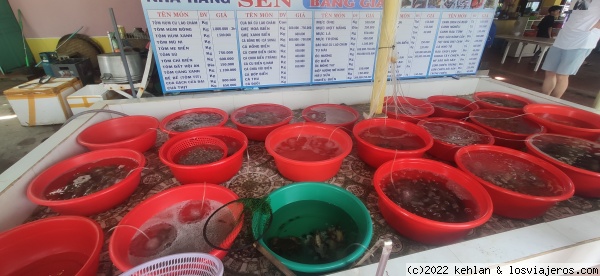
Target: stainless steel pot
(113,71)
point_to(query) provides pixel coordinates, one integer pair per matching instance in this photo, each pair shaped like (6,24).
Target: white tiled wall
(510,245)
(265,97)
(350,95)
(14,205)
(577,229)
(224,102)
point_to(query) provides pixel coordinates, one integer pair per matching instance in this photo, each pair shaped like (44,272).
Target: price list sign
(345,45)
(415,37)
(224,44)
(459,42)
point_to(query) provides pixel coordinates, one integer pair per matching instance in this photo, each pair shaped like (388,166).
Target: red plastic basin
(501,101)
(407,108)
(331,114)
(585,176)
(449,135)
(508,128)
(314,138)
(216,172)
(120,241)
(63,245)
(202,110)
(501,164)
(94,203)
(279,115)
(375,155)
(565,120)
(422,229)
(451,106)
(131,132)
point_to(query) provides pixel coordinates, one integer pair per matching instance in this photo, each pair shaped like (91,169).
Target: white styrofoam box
(85,97)
(42,104)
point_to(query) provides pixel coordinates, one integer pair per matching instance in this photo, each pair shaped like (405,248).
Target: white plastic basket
(184,264)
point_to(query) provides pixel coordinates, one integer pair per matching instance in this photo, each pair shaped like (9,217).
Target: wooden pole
(387,40)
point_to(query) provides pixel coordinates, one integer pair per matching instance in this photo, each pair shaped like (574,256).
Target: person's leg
(570,63)
(562,82)
(550,65)
(549,82)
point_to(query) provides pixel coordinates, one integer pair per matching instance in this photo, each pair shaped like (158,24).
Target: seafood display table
(259,176)
(569,223)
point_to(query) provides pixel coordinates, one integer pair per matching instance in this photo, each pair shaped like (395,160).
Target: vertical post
(121,52)
(597,101)
(144,82)
(387,40)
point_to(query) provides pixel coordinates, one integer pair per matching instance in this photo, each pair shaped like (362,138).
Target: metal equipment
(48,58)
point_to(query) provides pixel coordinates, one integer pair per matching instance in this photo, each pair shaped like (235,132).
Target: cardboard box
(88,95)
(42,104)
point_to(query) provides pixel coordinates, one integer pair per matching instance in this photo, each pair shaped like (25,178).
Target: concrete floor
(583,87)
(18,140)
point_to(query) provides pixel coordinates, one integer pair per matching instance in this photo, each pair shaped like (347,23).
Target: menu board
(223,44)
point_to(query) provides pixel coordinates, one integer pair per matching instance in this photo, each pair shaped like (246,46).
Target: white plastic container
(42,104)
(88,95)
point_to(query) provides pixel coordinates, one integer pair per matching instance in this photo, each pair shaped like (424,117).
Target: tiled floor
(583,87)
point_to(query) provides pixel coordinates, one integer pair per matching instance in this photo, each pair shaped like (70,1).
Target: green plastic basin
(313,219)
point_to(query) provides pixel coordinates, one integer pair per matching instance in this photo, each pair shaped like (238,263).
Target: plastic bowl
(459,132)
(203,110)
(304,220)
(331,114)
(94,203)
(493,162)
(586,181)
(508,128)
(422,229)
(63,245)
(565,120)
(451,106)
(407,109)
(501,101)
(281,115)
(120,241)
(216,172)
(131,132)
(375,155)
(308,164)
